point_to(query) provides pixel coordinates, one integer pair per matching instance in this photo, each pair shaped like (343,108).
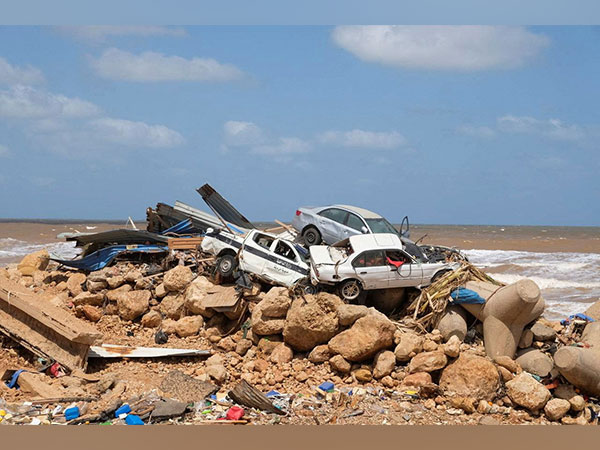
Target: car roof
(365,213)
(362,242)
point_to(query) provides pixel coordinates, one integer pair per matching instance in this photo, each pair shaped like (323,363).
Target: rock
(339,364)
(417,379)
(508,363)
(115,282)
(428,362)
(114,294)
(95,286)
(281,354)
(195,294)
(348,314)
(467,404)
(276,303)
(169,326)
(74,283)
(242,346)
(267,345)
(151,319)
(311,321)
(471,376)
(579,420)
(92,313)
(488,420)
(260,365)
(535,362)
(410,344)
(265,326)
(165,408)
(188,326)
(226,344)
(133,275)
(505,374)
(34,261)
(217,372)
(133,304)
(319,354)
(526,339)
(86,298)
(429,345)
(362,375)
(542,332)
(556,408)
(143,283)
(172,306)
(384,364)
(364,339)
(452,347)
(577,403)
(178,278)
(160,291)
(483,407)
(525,391)
(215,360)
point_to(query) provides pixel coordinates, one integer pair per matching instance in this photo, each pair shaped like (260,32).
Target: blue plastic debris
(13,383)
(273,394)
(101,258)
(72,413)
(576,316)
(132,419)
(467,296)
(327,386)
(124,409)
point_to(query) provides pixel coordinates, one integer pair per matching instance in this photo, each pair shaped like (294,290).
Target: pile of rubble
(279,356)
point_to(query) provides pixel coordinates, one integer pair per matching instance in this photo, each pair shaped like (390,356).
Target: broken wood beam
(247,395)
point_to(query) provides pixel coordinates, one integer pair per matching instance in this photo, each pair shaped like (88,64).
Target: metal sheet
(120,236)
(223,208)
(101,258)
(120,351)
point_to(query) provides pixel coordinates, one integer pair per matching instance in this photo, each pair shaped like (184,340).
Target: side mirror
(364,230)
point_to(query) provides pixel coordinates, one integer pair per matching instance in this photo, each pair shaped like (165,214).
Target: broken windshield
(381,226)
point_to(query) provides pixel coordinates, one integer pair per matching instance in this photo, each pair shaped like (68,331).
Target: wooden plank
(184,243)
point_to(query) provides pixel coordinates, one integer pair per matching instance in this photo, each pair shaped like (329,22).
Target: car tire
(309,289)
(311,236)
(226,265)
(439,275)
(352,291)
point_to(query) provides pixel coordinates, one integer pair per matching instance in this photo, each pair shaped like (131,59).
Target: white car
(270,258)
(370,261)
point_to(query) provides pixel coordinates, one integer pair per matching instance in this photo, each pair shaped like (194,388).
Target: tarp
(463,295)
(101,258)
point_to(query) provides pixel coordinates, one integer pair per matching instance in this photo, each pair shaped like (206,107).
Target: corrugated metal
(208,220)
(223,208)
(120,236)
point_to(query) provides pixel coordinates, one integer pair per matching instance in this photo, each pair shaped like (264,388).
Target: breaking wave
(13,249)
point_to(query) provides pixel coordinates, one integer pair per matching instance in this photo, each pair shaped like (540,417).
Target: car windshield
(381,226)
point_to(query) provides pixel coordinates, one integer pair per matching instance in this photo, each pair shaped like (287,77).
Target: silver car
(371,261)
(330,224)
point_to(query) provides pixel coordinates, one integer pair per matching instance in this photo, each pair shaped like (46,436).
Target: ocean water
(569,282)
(12,250)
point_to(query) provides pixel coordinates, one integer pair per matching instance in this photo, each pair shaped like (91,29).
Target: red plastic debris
(234,413)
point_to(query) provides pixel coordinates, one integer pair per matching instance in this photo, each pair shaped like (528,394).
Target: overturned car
(371,261)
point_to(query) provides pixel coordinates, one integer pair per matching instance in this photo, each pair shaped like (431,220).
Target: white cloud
(100,33)
(454,48)
(550,128)
(10,74)
(239,134)
(135,134)
(25,102)
(475,131)
(283,146)
(4,151)
(363,139)
(117,64)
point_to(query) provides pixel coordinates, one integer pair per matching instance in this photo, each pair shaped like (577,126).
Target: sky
(448,124)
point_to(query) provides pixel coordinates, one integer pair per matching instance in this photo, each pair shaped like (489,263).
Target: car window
(371,258)
(337,215)
(355,222)
(381,226)
(396,257)
(263,240)
(283,249)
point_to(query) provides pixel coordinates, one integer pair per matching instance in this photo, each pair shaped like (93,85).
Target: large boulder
(281,354)
(409,345)
(151,319)
(471,376)
(188,326)
(311,321)
(74,283)
(87,298)
(172,306)
(113,295)
(133,304)
(365,338)
(195,294)
(178,278)
(542,332)
(525,391)
(268,315)
(33,262)
(384,364)
(319,354)
(348,314)
(535,362)
(428,362)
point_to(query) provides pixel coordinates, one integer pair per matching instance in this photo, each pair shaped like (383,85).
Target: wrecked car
(268,257)
(371,261)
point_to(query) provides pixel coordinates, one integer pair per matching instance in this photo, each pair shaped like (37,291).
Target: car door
(404,271)
(331,224)
(371,269)
(354,225)
(283,265)
(254,252)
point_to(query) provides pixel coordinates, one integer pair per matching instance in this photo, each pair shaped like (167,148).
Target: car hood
(319,254)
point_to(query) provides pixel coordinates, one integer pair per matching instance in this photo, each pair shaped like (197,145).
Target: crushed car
(266,256)
(330,224)
(366,262)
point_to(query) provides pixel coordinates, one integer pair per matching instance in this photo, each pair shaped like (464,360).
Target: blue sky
(474,125)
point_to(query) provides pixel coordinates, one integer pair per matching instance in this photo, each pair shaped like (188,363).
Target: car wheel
(226,265)
(309,289)
(311,236)
(352,292)
(439,275)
